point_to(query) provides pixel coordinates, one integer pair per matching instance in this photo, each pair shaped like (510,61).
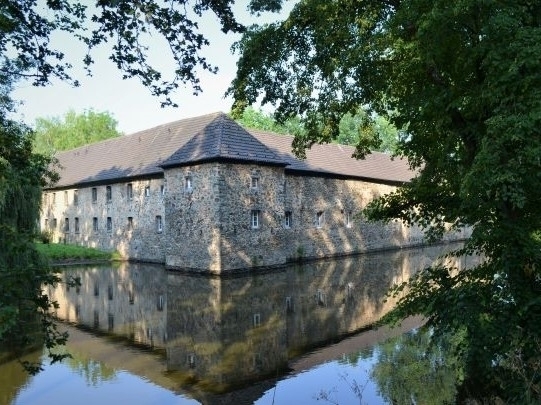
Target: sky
(128,101)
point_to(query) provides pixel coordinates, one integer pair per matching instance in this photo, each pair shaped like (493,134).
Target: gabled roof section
(224,139)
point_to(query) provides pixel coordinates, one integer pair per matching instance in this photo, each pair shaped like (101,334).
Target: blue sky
(129,102)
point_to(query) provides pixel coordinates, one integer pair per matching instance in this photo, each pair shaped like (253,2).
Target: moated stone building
(208,195)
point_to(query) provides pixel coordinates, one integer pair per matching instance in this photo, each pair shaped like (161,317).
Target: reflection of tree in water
(415,369)
(94,372)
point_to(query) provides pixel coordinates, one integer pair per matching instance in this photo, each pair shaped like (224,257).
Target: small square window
(109,224)
(94,195)
(75,197)
(255,219)
(129,191)
(147,191)
(159,223)
(109,193)
(288,218)
(95,224)
(76,224)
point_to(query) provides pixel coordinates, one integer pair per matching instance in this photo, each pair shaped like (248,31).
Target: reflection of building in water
(228,331)
(129,300)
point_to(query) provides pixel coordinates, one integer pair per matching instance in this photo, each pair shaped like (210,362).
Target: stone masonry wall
(237,216)
(223,216)
(139,238)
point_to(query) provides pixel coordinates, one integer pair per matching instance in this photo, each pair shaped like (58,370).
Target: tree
(351,127)
(28,52)
(25,316)
(73,130)
(463,79)
(257,119)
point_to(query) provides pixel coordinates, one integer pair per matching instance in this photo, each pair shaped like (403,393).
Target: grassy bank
(59,252)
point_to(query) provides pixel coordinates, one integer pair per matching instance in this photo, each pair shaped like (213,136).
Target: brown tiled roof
(214,137)
(223,139)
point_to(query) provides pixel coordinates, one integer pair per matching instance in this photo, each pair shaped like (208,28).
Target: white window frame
(188,183)
(255,219)
(288,219)
(108,193)
(254,183)
(320,219)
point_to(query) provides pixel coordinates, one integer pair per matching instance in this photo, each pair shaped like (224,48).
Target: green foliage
(256,119)
(351,129)
(63,252)
(416,368)
(25,312)
(462,78)
(73,130)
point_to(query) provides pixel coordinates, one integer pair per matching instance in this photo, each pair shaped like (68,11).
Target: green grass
(62,252)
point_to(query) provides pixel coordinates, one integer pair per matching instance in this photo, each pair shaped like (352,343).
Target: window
(46,223)
(254,184)
(108,193)
(66,197)
(159,223)
(75,197)
(110,292)
(109,224)
(288,219)
(130,223)
(161,302)
(129,191)
(54,223)
(257,320)
(348,219)
(76,225)
(320,219)
(255,219)
(54,198)
(147,191)
(110,321)
(66,225)
(188,183)
(94,195)
(95,224)
(162,190)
